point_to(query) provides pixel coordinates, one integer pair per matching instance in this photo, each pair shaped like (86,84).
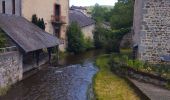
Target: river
(69,81)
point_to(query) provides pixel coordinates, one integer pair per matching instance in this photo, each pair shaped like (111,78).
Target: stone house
(54,13)
(81,9)
(28,42)
(86,24)
(151,29)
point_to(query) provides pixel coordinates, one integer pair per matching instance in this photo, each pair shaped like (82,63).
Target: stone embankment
(11,70)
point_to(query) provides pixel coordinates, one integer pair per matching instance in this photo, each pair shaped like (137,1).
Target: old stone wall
(11,69)
(154,29)
(126,41)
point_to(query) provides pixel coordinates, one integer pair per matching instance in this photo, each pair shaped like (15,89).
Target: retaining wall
(11,70)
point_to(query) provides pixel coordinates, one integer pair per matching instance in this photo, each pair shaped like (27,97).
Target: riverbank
(108,86)
(71,80)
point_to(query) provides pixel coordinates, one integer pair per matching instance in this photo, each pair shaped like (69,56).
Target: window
(3,7)
(57,10)
(13,6)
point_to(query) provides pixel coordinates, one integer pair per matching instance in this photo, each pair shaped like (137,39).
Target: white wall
(88,31)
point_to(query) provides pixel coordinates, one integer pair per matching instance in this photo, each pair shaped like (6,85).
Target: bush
(89,43)
(99,36)
(122,61)
(75,39)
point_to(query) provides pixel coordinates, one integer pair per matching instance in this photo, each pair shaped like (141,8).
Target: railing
(58,19)
(8,49)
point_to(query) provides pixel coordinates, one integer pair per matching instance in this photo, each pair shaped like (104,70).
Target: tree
(99,36)
(75,39)
(122,14)
(99,13)
(38,21)
(34,19)
(42,24)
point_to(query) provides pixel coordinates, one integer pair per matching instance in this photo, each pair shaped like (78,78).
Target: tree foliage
(122,14)
(108,39)
(3,39)
(113,39)
(38,21)
(99,13)
(120,18)
(75,39)
(99,36)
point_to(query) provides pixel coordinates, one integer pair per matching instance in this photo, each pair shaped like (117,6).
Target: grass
(108,86)
(4,90)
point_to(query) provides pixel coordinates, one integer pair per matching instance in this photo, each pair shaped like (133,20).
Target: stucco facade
(43,9)
(88,31)
(9,6)
(152,29)
(46,9)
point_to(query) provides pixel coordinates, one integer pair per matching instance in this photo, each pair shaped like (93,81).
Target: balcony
(58,19)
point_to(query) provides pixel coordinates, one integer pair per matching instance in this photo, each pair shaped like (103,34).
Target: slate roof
(26,35)
(80,18)
(78,7)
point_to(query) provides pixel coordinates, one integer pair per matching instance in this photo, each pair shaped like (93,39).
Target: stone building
(86,24)
(152,29)
(29,41)
(54,13)
(81,9)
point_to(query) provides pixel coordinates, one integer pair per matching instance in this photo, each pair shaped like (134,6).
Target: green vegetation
(122,14)
(99,36)
(4,90)
(3,40)
(75,39)
(108,86)
(108,39)
(100,13)
(77,43)
(123,60)
(120,18)
(38,21)
(89,43)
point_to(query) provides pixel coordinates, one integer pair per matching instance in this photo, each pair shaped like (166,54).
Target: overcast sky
(92,2)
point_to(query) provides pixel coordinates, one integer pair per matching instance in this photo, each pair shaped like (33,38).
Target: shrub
(38,21)
(75,39)
(89,43)
(99,36)
(118,61)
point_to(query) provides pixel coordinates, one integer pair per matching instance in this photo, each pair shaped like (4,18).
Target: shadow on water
(70,82)
(79,58)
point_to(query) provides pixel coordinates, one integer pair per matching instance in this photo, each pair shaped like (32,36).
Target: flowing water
(71,81)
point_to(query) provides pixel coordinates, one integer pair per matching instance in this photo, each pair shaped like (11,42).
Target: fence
(8,49)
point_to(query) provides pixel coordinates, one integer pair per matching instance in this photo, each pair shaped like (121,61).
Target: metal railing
(8,49)
(60,19)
